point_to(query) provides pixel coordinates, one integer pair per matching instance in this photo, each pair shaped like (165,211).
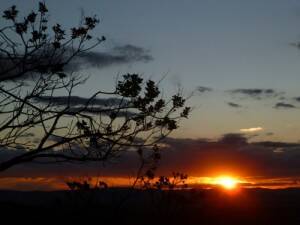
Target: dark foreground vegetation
(124,206)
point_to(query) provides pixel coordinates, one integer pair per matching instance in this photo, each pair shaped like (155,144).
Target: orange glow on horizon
(227,182)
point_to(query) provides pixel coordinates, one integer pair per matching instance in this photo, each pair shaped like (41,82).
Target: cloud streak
(95,106)
(256,93)
(297,99)
(251,129)
(203,89)
(50,59)
(80,101)
(282,105)
(123,54)
(234,105)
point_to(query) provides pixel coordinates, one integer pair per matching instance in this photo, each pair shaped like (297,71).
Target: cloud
(269,134)
(49,57)
(233,139)
(251,129)
(202,89)
(297,99)
(232,153)
(8,153)
(80,101)
(78,104)
(282,105)
(98,110)
(122,54)
(256,93)
(234,105)
(20,68)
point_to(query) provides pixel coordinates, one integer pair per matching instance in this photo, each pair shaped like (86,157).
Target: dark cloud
(97,110)
(27,68)
(256,93)
(295,44)
(196,157)
(202,89)
(297,99)
(234,105)
(118,55)
(8,153)
(55,138)
(80,101)
(18,67)
(92,106)
(233,139)
(279,144)
(124,165)
(282,105)
(27,135)
(232,153)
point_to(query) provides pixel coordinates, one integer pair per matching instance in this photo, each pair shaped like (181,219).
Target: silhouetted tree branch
(40,124)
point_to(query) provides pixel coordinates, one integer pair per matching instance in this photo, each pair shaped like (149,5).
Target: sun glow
(226,182)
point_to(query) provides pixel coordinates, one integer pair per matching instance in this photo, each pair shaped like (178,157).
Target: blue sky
(224,45)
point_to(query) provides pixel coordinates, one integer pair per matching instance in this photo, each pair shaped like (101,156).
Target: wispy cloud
(251,129)
(282,105)
(78,104)
(203,89)
(256,93)
(80,101)
(269,134)
(297,99)
(234,105)
(118,55)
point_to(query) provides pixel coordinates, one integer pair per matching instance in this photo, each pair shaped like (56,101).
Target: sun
(226,182)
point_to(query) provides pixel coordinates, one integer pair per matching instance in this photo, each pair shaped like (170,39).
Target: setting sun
(226,182)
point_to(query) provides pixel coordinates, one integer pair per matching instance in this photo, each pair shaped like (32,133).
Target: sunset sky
(236,58)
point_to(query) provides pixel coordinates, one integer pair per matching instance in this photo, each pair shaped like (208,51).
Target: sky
(237,58)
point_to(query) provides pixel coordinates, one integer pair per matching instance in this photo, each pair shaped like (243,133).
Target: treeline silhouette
(189,206)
